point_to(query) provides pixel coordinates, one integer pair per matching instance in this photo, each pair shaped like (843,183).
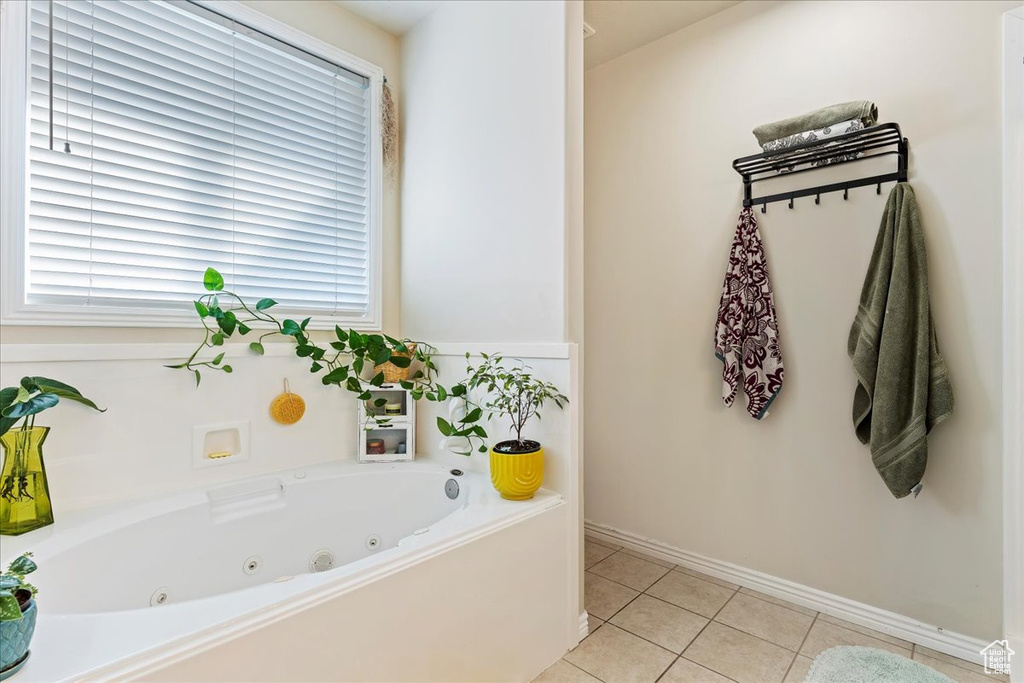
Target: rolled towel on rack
(864,111)
(783,144)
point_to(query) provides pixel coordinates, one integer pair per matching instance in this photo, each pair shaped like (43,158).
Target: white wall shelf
(399,428)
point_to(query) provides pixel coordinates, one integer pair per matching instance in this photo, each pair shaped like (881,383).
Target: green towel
(903,388)
(866,111)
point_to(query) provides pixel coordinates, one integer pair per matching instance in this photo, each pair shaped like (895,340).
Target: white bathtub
(127,586)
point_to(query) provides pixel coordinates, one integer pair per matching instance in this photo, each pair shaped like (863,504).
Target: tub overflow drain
(451,489)
(321,561)
(372,542)
(160,597)
(252,564)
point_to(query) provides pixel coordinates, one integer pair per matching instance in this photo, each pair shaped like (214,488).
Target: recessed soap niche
(220,444)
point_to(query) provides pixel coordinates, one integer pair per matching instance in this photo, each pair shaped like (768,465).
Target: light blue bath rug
(855,664)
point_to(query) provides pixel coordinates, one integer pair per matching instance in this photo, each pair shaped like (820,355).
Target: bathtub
(126,589)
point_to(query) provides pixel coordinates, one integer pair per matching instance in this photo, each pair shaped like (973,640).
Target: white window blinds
(194,142)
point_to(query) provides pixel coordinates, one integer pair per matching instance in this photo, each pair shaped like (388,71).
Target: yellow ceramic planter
(517,476)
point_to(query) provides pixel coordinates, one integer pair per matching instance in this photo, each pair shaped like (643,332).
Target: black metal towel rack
(885,139)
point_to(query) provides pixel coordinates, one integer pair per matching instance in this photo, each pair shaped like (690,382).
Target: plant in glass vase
(24,490)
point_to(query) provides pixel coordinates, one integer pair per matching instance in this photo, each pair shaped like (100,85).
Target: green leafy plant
(494,389)
(343,361)
(23,403)
(15,592)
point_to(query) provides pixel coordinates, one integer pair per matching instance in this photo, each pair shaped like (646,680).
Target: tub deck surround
(196,548)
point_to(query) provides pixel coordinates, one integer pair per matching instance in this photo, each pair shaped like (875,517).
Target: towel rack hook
(817,198)
(791,202)
(878,190)
(764,208)
(846,193)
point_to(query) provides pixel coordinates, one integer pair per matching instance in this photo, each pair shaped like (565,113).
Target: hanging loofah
(287,408)
(389,129)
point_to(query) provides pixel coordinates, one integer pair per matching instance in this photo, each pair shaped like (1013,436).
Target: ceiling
(624,25)
(394,16)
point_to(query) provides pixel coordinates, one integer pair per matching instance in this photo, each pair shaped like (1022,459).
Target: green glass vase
(24,492)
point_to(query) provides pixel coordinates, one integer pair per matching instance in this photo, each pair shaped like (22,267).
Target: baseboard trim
(584,625)
(955,644)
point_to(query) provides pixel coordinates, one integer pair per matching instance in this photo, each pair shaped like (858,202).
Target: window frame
(14,170)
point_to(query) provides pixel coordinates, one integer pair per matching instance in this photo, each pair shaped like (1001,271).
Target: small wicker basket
(392,373)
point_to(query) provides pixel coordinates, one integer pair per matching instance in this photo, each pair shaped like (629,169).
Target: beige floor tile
(691,593)
(766,620)
(956,661)
(898,642)
(685,671)
(603,598)
(594,553)
(593,623)
(958,674)
(706,577)
(739,656)
(564,672)
(629,571)
(824,635)
(616,656)
(798,672)
(649,558)
(659,622)
(777,601)
(601,541)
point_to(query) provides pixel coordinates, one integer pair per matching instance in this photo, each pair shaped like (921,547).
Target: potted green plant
(17,613)
(512,392)
(355,361)
(24,490)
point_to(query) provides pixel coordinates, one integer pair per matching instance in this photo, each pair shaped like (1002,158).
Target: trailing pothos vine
(346,361)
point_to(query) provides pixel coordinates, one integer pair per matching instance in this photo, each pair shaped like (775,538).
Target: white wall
(483,191)
(795,496)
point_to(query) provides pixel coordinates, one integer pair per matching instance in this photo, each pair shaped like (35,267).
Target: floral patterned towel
(783,144)
(747,334)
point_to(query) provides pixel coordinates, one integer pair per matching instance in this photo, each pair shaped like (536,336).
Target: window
(192,141)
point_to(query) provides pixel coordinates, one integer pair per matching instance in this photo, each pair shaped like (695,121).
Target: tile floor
(653,621)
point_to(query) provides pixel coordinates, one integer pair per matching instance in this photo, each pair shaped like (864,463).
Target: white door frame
(1013,337)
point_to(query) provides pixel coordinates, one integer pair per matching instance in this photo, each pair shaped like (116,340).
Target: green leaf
(257,348)
(212,280)
(227,323)
(441,393)
(383,356)
(458,390)
(10,582)
(473,415)
(357,365)
(482,449)
(352,384)
(63,390)
(336,375)
(480,431)
(228,369)
(444,426)
(32,406)
(264,304)
(201,309)
(290,327)
(380,403)
(244,329)
(22,566)
(304,323)
(315,367)
(341,334)
(304,351)
(198,378)
(10,610)
(217,339)
(401,361)
(218,359)
(356,340)
(378,379)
